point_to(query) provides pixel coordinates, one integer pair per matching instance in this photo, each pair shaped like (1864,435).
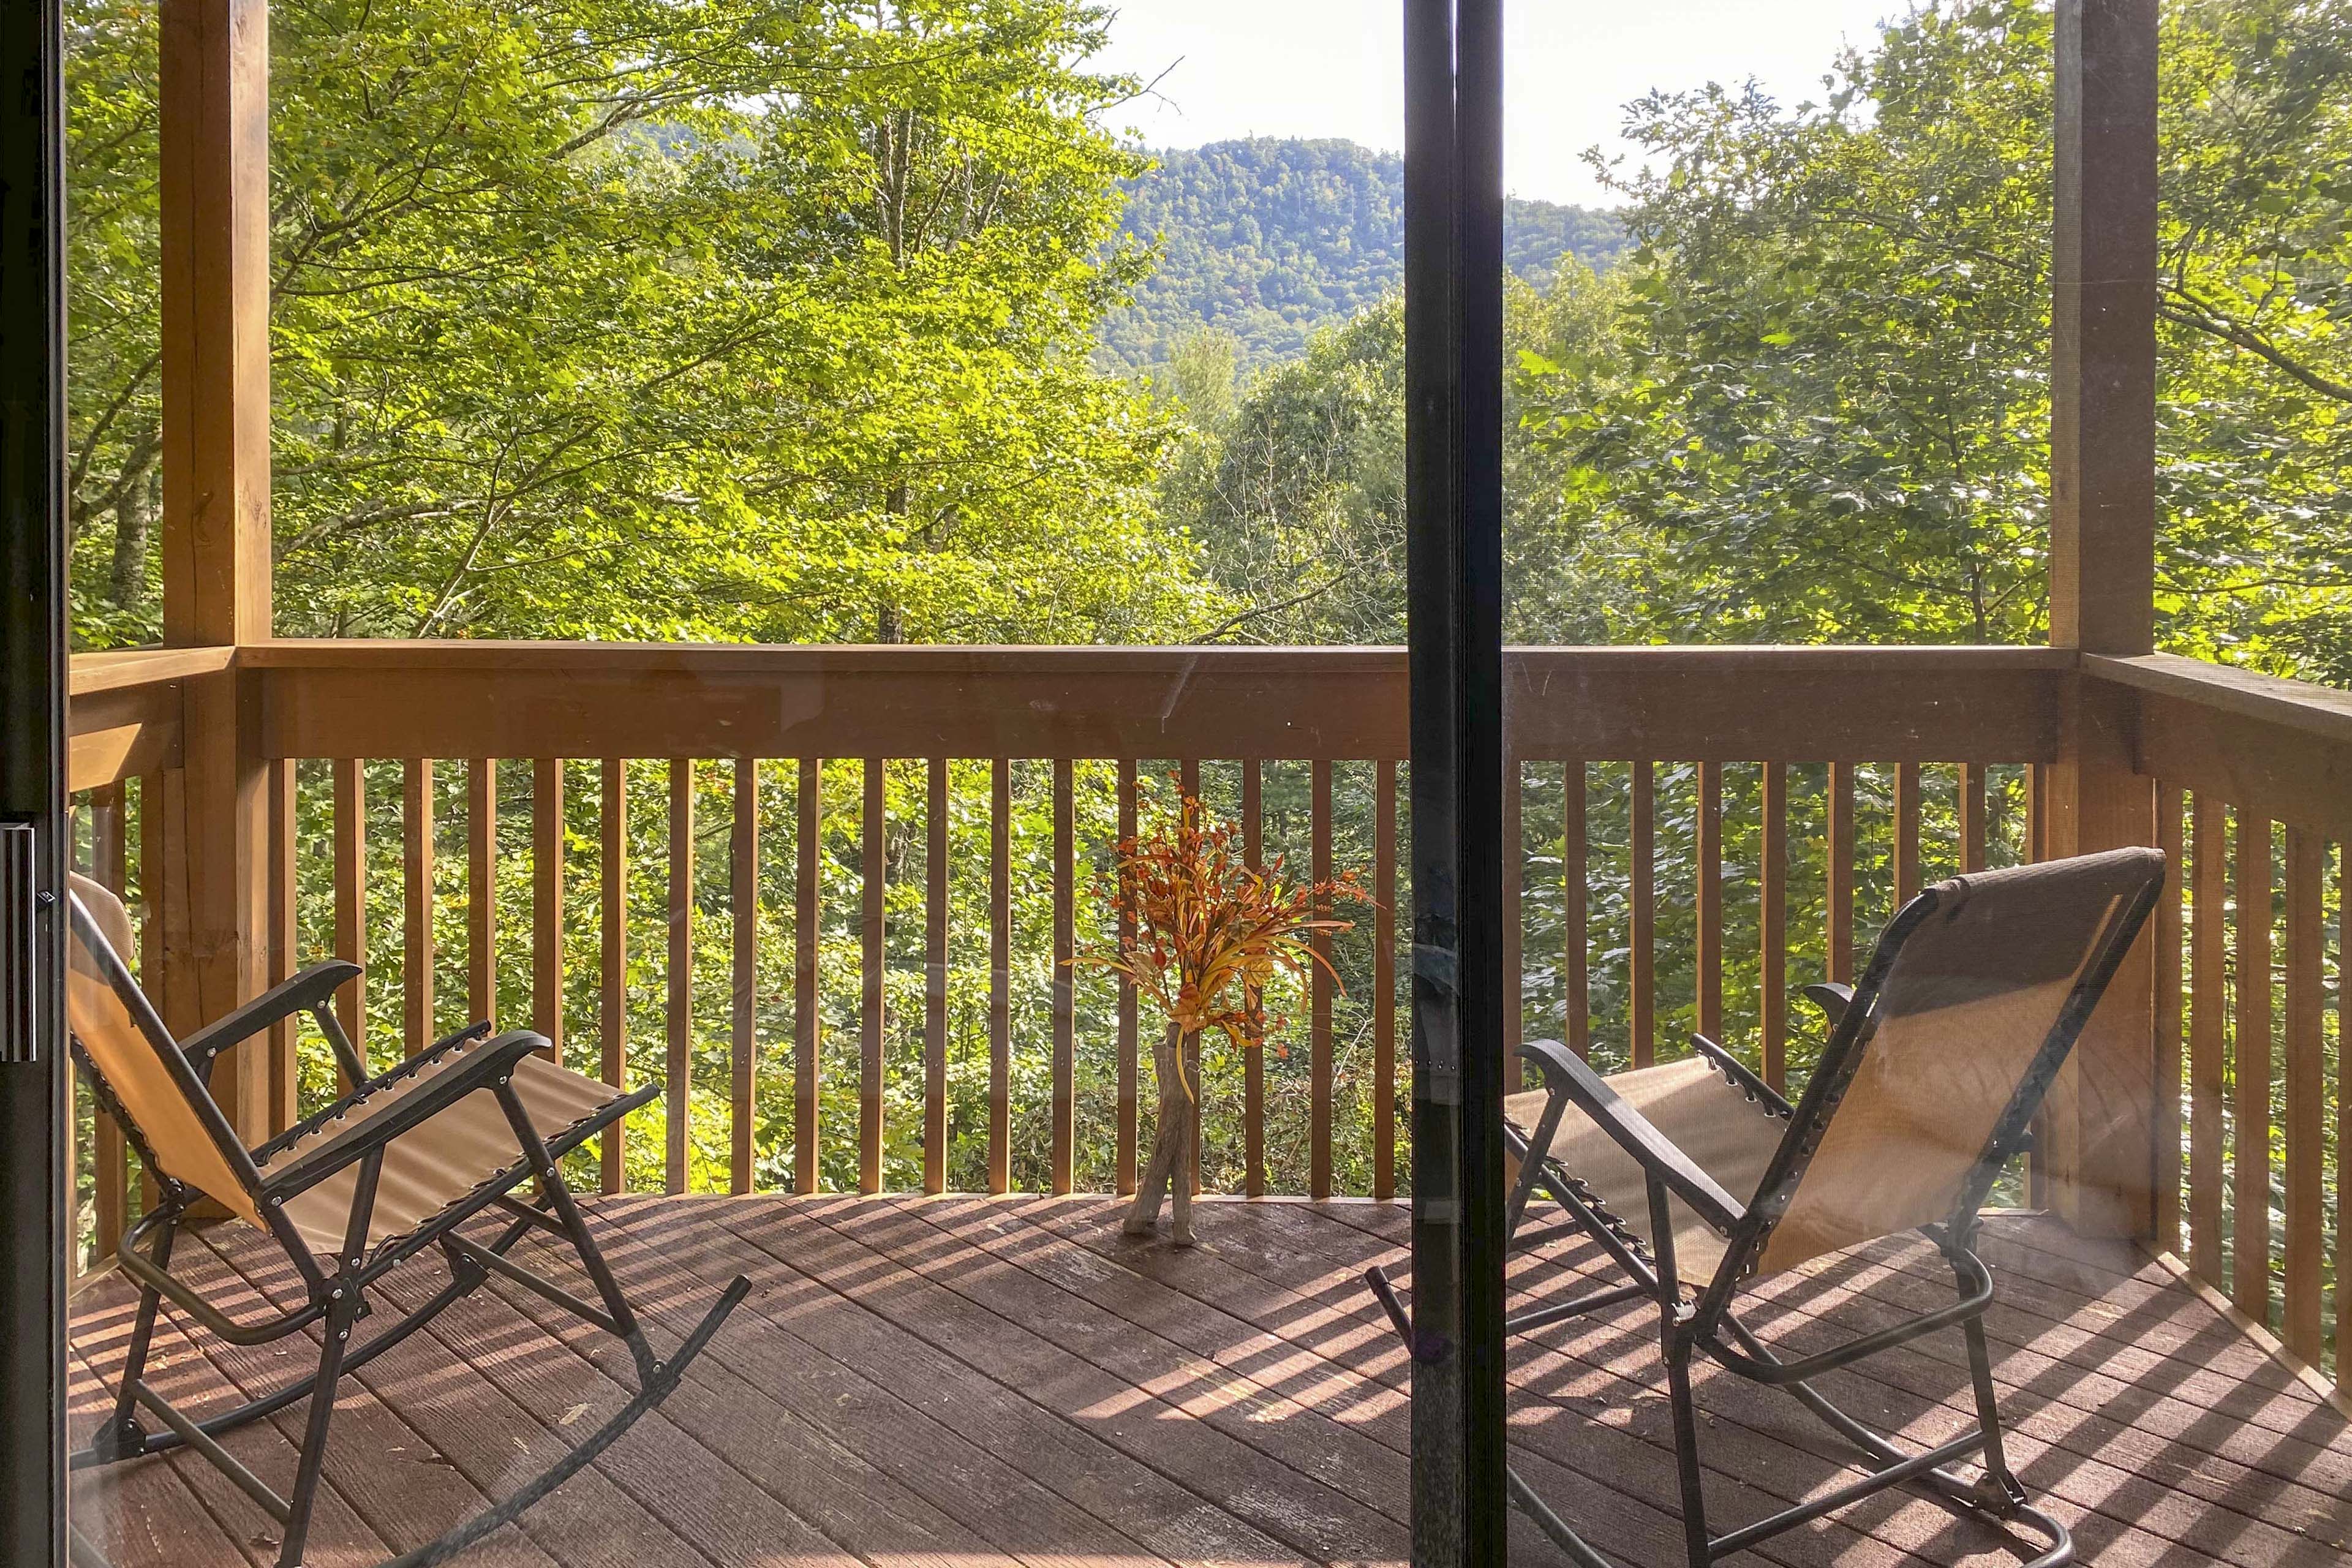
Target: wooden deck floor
(968,1382)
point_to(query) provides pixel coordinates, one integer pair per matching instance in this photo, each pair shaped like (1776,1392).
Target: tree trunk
(126,578)
(1171,1166)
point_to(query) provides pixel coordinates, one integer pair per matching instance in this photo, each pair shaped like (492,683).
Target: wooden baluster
(2342,1121)
(110,1171)
(1841,851)
(743,1040)
(1000,977)
(1772,928)
(807,939)
(351,900)
(872,874)
(612,997)
(417,956)
(1319,987)
(109,847)
(1576,909)
(1188,779)
(481,891)
(1384,837)
(1907,833)
(935,981)
(1515,1068)
(547,840)
(1065,1107)
(1640,958)
(1708,898)
(285,1098)
(2208,1025)
(2167,1022)
(1253,1177)
(2251,1222)
(2037,812)
(1973,816)
(156,812)
(1129,1010)
(2306,1090)
(677,1087)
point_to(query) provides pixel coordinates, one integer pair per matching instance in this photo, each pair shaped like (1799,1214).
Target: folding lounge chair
(1936,1065)
(394,1167)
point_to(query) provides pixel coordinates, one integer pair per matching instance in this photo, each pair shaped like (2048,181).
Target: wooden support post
(2102,1112)
(213,80)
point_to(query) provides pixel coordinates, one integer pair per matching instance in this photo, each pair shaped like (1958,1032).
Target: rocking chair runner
(389,1170)
(1936,1065)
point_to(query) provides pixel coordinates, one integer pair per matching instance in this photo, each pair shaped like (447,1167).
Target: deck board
(925,1381)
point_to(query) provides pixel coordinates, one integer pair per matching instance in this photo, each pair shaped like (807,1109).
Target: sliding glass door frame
(1454,484)
(35,1073)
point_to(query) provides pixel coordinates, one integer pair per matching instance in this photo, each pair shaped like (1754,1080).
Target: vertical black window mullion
(1453,306)
(34,1073)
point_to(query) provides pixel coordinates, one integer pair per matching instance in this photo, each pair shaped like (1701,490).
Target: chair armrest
(496,1061)
(1732,1067)
(313,988)
(1565,1074)
(366,1086)
(1832,997)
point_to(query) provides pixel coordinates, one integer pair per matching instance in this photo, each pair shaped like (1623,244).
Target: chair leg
(124,1434)
(592,1257)
(1678,1387)
(2001,1487)
(300,1502)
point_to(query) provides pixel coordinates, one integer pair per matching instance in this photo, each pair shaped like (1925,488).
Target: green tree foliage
(1823,412)
(1272,240)
(636,318)
(1297,493)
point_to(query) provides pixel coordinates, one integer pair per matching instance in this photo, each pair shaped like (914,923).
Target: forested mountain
(1270,238)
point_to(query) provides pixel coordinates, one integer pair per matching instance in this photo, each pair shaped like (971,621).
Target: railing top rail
(1763,703)
(121,669)
(2320,711)
(906,658)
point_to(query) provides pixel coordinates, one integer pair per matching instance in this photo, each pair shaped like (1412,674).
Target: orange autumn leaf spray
(1203,931)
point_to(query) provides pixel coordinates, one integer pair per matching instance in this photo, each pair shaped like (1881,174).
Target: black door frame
(35,1075)
(1453,487)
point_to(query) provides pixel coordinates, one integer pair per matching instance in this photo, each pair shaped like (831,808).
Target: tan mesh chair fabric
(1724,1133)
(131,1064)
(441,1160)
(1966,1008)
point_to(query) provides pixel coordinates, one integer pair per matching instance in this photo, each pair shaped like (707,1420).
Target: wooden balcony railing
(863,872)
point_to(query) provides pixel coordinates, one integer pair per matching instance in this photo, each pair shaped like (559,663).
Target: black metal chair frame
(1702,1321)
(335,1289)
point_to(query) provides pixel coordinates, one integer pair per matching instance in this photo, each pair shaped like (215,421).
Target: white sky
(1334,67)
